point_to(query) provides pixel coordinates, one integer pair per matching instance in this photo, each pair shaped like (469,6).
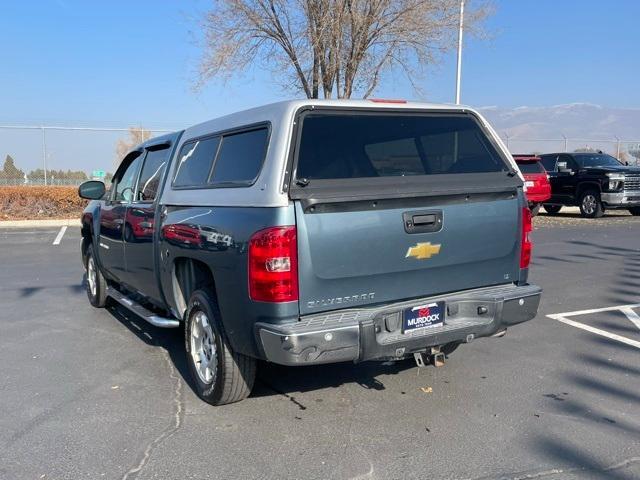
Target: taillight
(273,265)
(527,245)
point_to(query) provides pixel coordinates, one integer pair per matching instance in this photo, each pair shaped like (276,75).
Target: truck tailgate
(349,258)
(393,205)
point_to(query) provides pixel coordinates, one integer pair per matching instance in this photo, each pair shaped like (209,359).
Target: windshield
(596,160)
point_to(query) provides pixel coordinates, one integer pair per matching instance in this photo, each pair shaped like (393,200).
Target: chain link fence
(64,156)
(627,151)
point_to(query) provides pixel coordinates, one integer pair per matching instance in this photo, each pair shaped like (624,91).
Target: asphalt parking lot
(89,393)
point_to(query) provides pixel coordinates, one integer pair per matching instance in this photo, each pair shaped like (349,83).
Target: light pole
(44,155)
(459,67)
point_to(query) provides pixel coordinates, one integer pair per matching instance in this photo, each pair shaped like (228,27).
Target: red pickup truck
(536,180)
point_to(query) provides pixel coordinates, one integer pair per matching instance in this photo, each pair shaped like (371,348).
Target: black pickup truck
(310,232)
(595,182)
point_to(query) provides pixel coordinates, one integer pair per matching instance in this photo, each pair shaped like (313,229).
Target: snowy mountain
(584,124)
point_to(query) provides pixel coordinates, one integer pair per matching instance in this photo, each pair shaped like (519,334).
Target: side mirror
(92,190)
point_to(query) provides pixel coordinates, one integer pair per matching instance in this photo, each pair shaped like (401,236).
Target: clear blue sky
(119,63)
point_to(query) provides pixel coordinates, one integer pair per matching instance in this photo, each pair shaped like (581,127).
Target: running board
(139,310)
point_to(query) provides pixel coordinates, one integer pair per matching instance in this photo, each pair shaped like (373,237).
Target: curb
(75,222)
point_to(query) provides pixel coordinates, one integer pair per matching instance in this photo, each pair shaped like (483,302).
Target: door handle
(422,221)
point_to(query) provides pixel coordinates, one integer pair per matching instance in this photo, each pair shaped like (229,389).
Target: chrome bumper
(625,198)
(375,333)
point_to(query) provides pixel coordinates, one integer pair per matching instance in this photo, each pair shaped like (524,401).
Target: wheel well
(587,186)
(190,275)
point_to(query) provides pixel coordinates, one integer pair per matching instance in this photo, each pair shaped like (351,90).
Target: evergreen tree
(9,169)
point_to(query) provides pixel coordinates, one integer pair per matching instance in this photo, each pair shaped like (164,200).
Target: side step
(139,310)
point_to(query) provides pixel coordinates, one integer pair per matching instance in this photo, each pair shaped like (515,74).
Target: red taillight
(527,245)
(273,265)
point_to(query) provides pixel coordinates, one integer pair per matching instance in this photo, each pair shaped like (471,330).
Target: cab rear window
(363,145)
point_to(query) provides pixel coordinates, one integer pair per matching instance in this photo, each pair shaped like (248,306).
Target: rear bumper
(624,199)
(374,333)
(538,197)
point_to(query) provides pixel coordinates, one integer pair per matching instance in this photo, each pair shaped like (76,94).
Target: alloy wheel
(589,204)
(92,276)
(203,347)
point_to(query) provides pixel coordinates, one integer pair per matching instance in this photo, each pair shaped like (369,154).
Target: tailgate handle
(422,221)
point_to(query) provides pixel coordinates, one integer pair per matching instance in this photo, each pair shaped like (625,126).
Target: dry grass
(28,203)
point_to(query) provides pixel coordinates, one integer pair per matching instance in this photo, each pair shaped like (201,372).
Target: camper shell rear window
(352,145)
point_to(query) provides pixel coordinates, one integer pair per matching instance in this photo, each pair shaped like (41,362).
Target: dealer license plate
(430,315)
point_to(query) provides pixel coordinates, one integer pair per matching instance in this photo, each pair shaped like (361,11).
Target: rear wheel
(220,375)
(95,282)
(552,209)
(635,211)
(590,204)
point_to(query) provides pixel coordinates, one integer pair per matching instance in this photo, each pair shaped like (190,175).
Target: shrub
(36,202)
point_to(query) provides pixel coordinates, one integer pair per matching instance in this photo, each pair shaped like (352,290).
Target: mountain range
(541,129)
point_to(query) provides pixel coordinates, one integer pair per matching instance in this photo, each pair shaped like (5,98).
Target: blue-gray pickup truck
(310,231)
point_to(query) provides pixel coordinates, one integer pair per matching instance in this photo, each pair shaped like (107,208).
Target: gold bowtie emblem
(422,251)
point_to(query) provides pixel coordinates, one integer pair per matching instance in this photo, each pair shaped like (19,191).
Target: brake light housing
(526,246)
(273,265)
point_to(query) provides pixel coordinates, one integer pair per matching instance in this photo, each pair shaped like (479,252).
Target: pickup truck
(309,232)
(595,182)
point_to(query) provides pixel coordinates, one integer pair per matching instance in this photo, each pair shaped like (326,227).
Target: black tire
(590,204)
(635,211)
(552,209)
(220,375)
(535,209)
(95,282)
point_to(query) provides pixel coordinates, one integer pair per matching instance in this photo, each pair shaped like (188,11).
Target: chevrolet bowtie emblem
(422,251)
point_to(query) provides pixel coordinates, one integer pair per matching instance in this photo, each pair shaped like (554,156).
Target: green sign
(98,174)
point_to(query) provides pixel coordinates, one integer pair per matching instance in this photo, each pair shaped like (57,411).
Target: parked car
(311,232)
(536,180)
(595,182)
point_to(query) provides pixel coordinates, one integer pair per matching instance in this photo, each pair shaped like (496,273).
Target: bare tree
(334,47)
(135,136)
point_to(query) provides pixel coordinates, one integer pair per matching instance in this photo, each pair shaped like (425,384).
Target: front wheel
(552,209)
(590,204)
(220,375)
(95,282)
(635,211)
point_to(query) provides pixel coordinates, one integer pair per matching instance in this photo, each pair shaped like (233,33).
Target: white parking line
(631,315)
(627,310)
(60,235)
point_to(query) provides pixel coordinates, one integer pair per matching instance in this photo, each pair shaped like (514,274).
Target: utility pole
(459,68)
(44,155)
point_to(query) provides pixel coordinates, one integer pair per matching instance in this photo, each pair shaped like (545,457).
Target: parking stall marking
(60,235)
(627,310)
